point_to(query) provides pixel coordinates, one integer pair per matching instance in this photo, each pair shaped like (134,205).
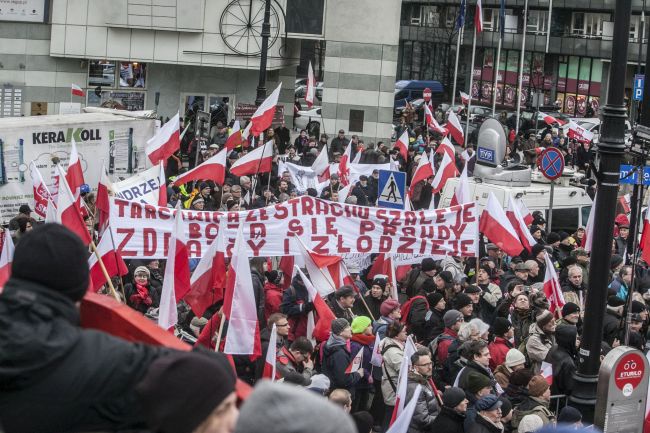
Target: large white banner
(143,187)
(143,231)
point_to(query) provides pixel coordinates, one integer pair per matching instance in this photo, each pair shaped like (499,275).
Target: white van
(571,204)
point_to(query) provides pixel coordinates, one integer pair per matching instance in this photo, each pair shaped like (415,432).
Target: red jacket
(272,299)
(444,343)
(498,350)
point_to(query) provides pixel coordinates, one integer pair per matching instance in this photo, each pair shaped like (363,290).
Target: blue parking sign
(639,80)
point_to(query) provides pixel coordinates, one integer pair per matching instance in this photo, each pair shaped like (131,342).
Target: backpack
(433,346)
(406,307)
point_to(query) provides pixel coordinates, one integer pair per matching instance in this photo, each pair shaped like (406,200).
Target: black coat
(336,359)
(482,425)
(448,421)
(258,290)
(563,358)
(611,326)
(55,376)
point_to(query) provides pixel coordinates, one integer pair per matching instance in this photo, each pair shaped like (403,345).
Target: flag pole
(360,295)
(460,36)
(495,70)
(116,261)
(105,272)
(521,67)
(222,321)
(471,83)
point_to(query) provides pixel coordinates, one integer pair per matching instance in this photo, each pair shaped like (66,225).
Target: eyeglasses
(281,325)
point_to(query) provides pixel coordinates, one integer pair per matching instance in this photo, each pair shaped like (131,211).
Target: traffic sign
(639,80)
(551,163)
(628,175)
(392,189)
(426,94)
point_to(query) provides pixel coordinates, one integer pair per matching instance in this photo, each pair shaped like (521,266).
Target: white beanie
(514,357)
(530,423)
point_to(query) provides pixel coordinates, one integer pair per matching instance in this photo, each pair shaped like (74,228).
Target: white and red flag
(208,280)
(41,192)
(355,363)
(446,147)
(547,372)
(162,185)
(344,165)
(402,423)
(327,272)
(464,98)
(235,138)
(446,171)
(112,260)
(68,212)
(461,194)
(494,224)
(579,133)
(257,161)
(514,216)
(239,306)
(6,257)
(102,203)
(588,238)
(402,144)
(76,90)
(321,329)
(428,115)
(552,288)
(263,116)
(524,211)
(455,128)
(402,381)
(377,359)
(423,171)
(166,141)
(548,119)
(213,168)
(644,244)
(311,87)
(269,371)
(74,174)
(176,282)
(478,17)
(321,165)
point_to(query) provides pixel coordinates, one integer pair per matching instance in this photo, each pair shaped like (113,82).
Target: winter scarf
(142,295)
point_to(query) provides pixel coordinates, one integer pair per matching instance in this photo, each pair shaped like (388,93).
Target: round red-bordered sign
(551,163)
(629,373)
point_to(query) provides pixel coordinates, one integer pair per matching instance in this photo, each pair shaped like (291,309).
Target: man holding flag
(337,358)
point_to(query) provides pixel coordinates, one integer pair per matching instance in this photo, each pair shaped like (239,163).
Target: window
(589,24)
(356,121)
(416,15)
(490,19)
(537,22)
(430,16)
(585,211)
(635,28)
(451,16)
(133,75)
(120,100)
(101,73)
(565,219)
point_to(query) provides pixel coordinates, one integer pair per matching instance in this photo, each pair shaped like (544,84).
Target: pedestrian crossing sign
(392,188)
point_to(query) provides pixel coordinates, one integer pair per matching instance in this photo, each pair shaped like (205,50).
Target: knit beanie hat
(530,423)
(452,317)
(273,276)
(638,307)
(544,318)
(537,386)
(339,325)
(615,261)
(381,282)
(388,306)
(446,277)
(142,270)
(453,396)
(570,308)
(569,415)
(521,377)
(175,399)
(552,237)
(500,326)
(359,324)
(506,406)
(428,264)
(537,248)
(53,256)
(462,300)
(434,298)
(514,357)
(477,381)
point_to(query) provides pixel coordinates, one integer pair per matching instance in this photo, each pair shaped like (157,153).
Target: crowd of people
(478,332)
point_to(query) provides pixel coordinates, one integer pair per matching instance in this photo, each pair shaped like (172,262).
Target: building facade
(566,57)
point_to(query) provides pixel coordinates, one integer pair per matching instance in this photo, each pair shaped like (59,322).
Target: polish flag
(552,288)
(41,192)
(269,371)
(246,133)
(213,168)
(402,144)
(77,91)
(464,98)
(357,157)
(344,165)
(478,17)
(355,364)
(547,372)
(428,115)
(494,224)
(588,238)
(162,185)
(74,174)
(112,260)
(446,171)
(455,128)
(286,266)
(208,281)
(624,201)
(321,330)
(239,306)
(50,214)
(263,116)
(321,164)
(524,211)
(548,119)
(6,257)
(400,394)
(68,212)
(235,138)
(327,272)
(579,133)
(257,161)
(446,147)
(514,216)
(343,193)
(402,423)
(423,171)
(311,87)
(103,201)
(644,244)
(176,282)
(437,128)
(377,359)
(384,265)
(166,141)
(461,194)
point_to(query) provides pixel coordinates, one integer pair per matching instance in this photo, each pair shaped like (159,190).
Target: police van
(571,203)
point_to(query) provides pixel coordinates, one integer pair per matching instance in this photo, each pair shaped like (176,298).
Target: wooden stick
(220,332)
(104,271)
(360,295)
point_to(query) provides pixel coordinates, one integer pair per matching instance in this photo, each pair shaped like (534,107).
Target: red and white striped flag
(518,223)
(166,141)
(311,87)
(402,144)
(76,90)
(327,272)
(524,211)
(402,423)
(6,257)
(548,119)
(321,165)
(423,171)
(321,330)
(344,165)
(446,171)
(162,185)
(213,168)
(103,201)
(240,307)
(547,372)
(74,174)
(478,17)
(588,238)
(258,161)
(263,116)
(552,288)
(68,212)
(464,98)
(269,371)
(112,260)
(579,133)
(355,363)
(455,128)
(176,282)
(41,192)
(235,138)
(428,115)
(461,194)
(400,393)
(625,203)
(494,224)
(446,147)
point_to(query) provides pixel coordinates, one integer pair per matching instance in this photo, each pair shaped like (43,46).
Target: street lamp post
(608,158)
(266,33)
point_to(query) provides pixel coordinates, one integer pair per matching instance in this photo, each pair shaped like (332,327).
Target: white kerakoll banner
(142,231)
(142,187)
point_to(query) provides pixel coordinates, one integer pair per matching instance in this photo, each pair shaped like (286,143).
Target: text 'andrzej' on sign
(629,174)
(391,187)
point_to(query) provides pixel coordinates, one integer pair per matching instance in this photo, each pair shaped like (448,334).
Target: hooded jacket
(563,359)
(336,359)
(426,409)
(57,377)
(538,345)
(448,421)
